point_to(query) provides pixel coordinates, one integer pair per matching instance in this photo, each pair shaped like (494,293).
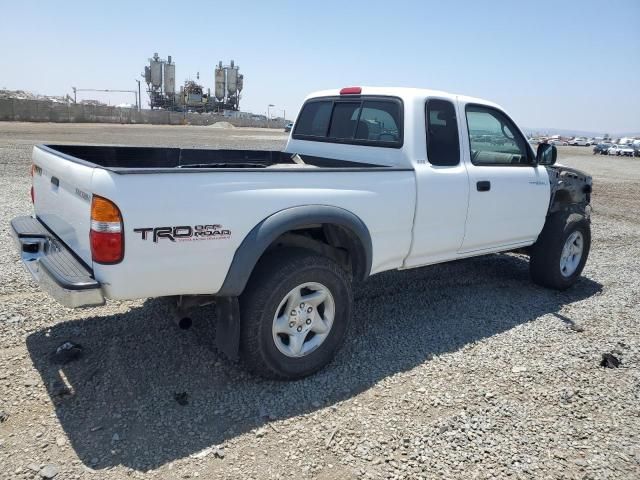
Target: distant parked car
(602,148)
(288,127)
(624,150)
(581,142)
(557,142)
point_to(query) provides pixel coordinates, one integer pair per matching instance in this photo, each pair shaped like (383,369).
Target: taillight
(107,232)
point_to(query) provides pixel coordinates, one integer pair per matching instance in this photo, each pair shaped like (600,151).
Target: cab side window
(494,139)
(443,143)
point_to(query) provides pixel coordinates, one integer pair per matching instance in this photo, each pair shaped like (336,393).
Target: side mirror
(546,154)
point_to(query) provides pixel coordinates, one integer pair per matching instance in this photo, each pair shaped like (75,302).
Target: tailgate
(62,191)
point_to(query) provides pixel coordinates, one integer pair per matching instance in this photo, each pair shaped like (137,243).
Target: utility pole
(139,97)
(74,95)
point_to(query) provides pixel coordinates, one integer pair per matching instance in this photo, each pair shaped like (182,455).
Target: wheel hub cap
(303,319)
(571,254)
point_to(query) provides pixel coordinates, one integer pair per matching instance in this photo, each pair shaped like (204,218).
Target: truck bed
(124,159)
(234,190)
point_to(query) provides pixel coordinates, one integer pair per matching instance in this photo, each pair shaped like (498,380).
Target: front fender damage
(570,190)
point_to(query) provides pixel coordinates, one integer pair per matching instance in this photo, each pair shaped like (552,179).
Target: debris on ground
(67,352)
(610,361)
(182,398)
(49,471)
(217,451)
(4,416)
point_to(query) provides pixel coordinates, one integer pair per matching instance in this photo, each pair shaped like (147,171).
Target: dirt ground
(461,370)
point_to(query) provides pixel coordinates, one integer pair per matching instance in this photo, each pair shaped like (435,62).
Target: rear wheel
(558,257)
(295,312)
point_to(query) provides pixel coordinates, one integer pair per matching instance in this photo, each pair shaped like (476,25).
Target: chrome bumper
(52,265)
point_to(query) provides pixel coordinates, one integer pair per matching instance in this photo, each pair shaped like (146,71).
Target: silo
(156,73)
(169,78)
(232,79)
(219,82)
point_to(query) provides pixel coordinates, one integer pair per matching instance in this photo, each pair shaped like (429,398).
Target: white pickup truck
(371,179)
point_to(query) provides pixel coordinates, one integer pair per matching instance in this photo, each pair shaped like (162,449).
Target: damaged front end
(570,190)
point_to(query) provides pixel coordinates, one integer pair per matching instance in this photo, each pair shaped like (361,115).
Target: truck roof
(407,94)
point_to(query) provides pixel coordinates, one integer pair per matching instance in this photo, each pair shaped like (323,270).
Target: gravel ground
(462,370)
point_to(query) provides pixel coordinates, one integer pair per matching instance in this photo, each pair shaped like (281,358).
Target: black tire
(274,277)
(544,261)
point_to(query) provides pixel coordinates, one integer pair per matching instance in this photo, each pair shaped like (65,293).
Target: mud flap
(228,326)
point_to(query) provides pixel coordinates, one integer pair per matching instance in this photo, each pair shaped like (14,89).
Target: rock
(49,471)
(219,452)
(610,361)
(182,398)
(67,352)
(61,441)
(115,437)
(261,432)
(59,389)
(202,453)
(31,382)
(4,416)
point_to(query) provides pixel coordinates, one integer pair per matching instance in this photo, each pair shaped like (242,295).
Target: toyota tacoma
(371,179)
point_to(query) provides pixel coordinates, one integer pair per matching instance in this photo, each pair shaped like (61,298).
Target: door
(442,188)
(508,191)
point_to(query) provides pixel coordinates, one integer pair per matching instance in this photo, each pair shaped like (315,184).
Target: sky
(551,64)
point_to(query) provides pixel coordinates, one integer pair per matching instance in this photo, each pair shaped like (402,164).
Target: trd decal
(184,233)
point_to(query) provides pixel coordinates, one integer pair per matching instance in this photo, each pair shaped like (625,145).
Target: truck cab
(479,188)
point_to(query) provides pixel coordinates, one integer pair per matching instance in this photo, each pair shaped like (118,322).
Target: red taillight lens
(107,235)
(106,247)
(351,91)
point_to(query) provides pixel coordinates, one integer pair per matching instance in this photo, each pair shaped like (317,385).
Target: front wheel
(558,257)
(295,311)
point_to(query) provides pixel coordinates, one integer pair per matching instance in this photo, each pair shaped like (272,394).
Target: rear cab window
(443,143)
(363,120)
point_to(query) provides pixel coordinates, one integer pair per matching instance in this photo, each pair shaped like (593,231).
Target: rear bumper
(52,265)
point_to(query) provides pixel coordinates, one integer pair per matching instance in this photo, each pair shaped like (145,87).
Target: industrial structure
(160,77)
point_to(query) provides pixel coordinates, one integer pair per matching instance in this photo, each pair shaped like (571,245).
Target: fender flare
(268,230)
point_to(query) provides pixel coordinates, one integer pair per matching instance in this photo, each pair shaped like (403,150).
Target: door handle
(483,186)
